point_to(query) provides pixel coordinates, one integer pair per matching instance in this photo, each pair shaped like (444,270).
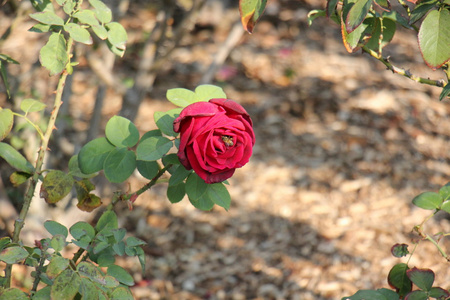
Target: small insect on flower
(227,140)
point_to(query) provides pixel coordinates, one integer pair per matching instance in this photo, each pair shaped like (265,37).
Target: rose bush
(216,137)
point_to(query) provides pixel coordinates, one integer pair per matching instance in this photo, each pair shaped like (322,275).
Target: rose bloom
(216,137)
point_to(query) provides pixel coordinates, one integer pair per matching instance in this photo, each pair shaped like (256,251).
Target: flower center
(227,140)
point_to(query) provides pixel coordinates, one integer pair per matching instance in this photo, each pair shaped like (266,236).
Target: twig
(233,38)
(403,72)
(19,223)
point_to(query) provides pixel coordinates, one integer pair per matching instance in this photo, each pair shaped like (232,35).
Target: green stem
(403,72)
(438,247)
(41,134)
(39,269)
(19,223)
(127,196)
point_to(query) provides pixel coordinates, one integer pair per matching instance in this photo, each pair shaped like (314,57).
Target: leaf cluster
(90,274)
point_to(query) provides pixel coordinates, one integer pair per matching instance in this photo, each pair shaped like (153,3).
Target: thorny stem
(39,268)
(403,72)
(19,223)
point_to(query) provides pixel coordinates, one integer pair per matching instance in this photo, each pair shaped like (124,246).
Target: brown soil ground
(342,148)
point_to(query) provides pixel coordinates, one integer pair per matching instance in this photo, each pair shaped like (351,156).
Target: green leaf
(219,195)
(181,97)
(164,120)
(15,159)
(48,17)
(439,293)
(56,266)
(6,123)
(206,92)
(396,17)
(117,35)
(381,294)
(102,12)
(117,51)
(13,294)
(68,7)
(89,291)
(93,155)
(203,203)
(120,274)
(422,278)
(119,248)
(4,74)
(357,14)
(99,246)
(89,270)
(251,11)
(42,294)
(148,169)
(381,34)
(398,279)
(428,200)
(195,186)
(108,220)
(66,285)
(417,295)
(78,33)
(352,40)
(119,234)
(58,242)
(40,28)
(121,293)
(56,186)
(383,4)
(155,132)
(105,260)
(17,178)
(100,31)
(446,206)
(4,241)
(444,192)
(153,148)
(314,14)
(74,169)
(53,55)
(175,193)
(421,10)
(13,255)
(434,38)
(31,105)
(179,175)
(119,165)
(55,228)
(134,242)
(121,132)
(331,7)
(86,16)
(8,59)
(81,229)
(445,92)
(141,256)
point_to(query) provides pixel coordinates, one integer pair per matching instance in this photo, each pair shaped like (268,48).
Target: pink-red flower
(216,137)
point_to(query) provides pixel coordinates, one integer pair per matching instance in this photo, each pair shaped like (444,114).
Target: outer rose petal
(197,109)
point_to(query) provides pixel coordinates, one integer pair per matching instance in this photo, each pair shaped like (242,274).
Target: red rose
(216,137)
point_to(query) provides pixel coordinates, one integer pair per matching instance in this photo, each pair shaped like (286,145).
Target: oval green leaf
(66,285)
(148,169)
(78,33)
(117,35)
(422,278)
(102,12)
(93,155)
(6,122)
(119,165)
(13,294)
(206,92)
(428,200)
(55,228)
(153,148)
(53,56)
(13,255)
(121,275)
(31,105)
(219,195)
(175,193)
(48,17)
(434,38)
(357,14)
(56,266)
(164,120)
(180,97)
(15,159)
(121,132)
(398,279)
(86,17)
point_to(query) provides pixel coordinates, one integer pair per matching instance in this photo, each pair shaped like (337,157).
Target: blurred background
(342,147)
